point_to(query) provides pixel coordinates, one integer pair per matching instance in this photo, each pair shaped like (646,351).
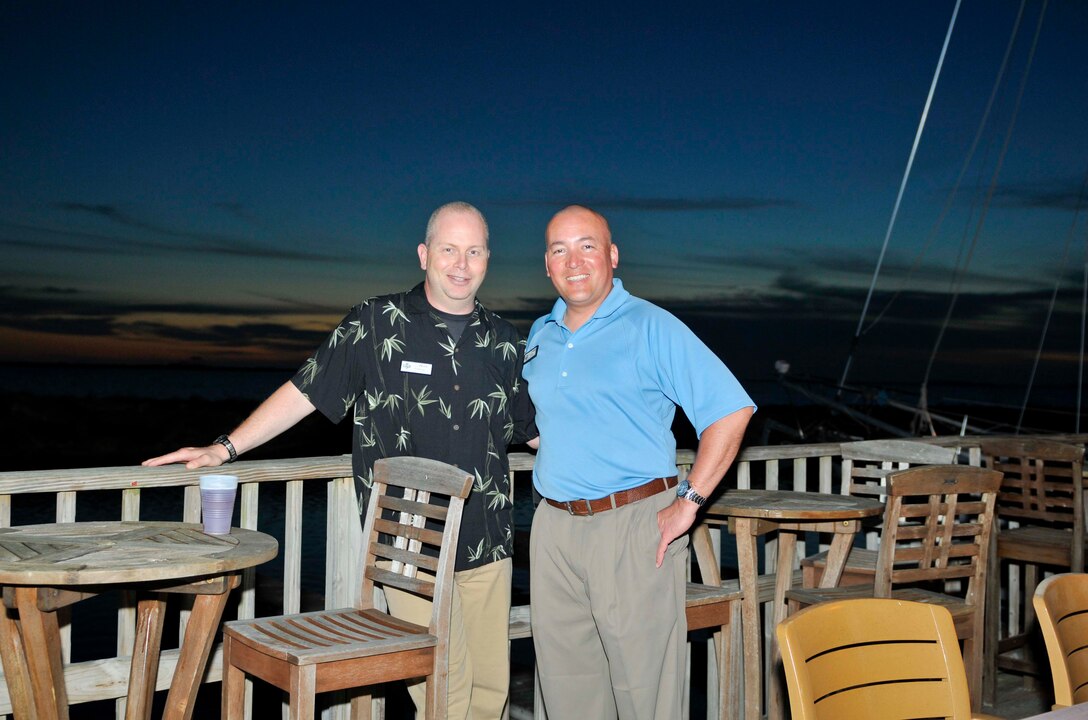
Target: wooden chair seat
(1035,544)
(318,637)
(962,614)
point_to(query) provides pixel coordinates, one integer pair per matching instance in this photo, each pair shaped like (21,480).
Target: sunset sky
(217,183)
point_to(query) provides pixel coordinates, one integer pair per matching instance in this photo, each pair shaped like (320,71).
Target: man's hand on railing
(193,457)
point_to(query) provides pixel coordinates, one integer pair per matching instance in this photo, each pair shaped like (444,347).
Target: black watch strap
(225,442)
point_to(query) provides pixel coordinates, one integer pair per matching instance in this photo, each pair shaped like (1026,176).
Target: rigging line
(960,270)
(1080,365)
(988,200)
(1053,299)
(902,188)
(959,180)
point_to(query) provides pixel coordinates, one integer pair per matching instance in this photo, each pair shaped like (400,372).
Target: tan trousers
(479,678)
(609,627)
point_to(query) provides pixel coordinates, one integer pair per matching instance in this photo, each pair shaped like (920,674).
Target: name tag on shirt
(530,353)
(415,367)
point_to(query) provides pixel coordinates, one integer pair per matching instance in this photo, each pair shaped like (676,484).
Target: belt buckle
(570,508)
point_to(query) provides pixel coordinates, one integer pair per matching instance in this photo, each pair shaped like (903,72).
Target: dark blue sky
(222,180)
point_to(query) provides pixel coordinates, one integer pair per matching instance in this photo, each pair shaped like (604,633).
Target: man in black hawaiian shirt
(430,373)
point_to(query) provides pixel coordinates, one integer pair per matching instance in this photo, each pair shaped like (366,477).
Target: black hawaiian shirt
(413,390)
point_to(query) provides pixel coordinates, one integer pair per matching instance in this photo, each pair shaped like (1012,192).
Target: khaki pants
(609,627)
(479,676)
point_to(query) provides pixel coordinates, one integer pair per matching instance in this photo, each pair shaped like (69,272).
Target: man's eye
(474,253)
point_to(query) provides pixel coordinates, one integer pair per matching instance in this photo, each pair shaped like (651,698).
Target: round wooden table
(751,513)
(46,567)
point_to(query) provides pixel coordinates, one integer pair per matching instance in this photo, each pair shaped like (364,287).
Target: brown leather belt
(616,499)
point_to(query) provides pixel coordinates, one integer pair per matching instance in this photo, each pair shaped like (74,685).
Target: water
(151,382)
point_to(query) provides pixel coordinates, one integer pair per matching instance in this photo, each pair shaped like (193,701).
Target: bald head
(455,207)
(580,216)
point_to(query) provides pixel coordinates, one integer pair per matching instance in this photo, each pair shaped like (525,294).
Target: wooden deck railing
(78,492)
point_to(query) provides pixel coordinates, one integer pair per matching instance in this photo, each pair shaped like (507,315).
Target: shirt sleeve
(330,377)
(692,376)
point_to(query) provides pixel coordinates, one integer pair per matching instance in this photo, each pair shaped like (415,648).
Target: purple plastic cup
(217,502)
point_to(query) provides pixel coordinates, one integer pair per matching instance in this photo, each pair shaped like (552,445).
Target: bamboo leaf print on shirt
(450,347)
(394,313)
(358,331)
(336,336)
(507,349)
(479,408)
(309,369)
(476,553)
(423,399)
(498,499)
(390,345)
(500,395)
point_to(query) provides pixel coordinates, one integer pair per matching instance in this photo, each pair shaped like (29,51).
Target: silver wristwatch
(686,491)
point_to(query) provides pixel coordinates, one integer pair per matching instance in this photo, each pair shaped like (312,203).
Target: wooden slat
(415,559)
(434,512)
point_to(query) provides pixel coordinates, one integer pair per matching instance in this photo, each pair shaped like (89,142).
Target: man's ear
(422,252)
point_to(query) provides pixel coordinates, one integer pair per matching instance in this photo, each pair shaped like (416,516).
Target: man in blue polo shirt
(608,552)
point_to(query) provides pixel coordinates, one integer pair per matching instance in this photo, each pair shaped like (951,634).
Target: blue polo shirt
(606,395)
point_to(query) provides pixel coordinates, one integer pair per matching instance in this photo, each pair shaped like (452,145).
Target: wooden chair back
(873,658)
(866,463)
(1043,485)
(937,527)
(406,533)
(1061,604)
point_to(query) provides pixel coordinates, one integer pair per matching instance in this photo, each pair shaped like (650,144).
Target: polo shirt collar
(616,297)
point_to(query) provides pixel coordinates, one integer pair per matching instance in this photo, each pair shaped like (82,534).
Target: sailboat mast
(899,197)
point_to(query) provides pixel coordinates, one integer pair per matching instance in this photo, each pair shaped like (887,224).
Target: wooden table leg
(787,549)
(749,570)
(41,641)
(16,674)
(837,555)
(196,646)
(144,671)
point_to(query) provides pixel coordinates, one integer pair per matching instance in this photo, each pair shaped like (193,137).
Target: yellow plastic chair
(1061,604)
(874,658)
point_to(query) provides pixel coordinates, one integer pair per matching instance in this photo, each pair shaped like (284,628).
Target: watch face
(683,487)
